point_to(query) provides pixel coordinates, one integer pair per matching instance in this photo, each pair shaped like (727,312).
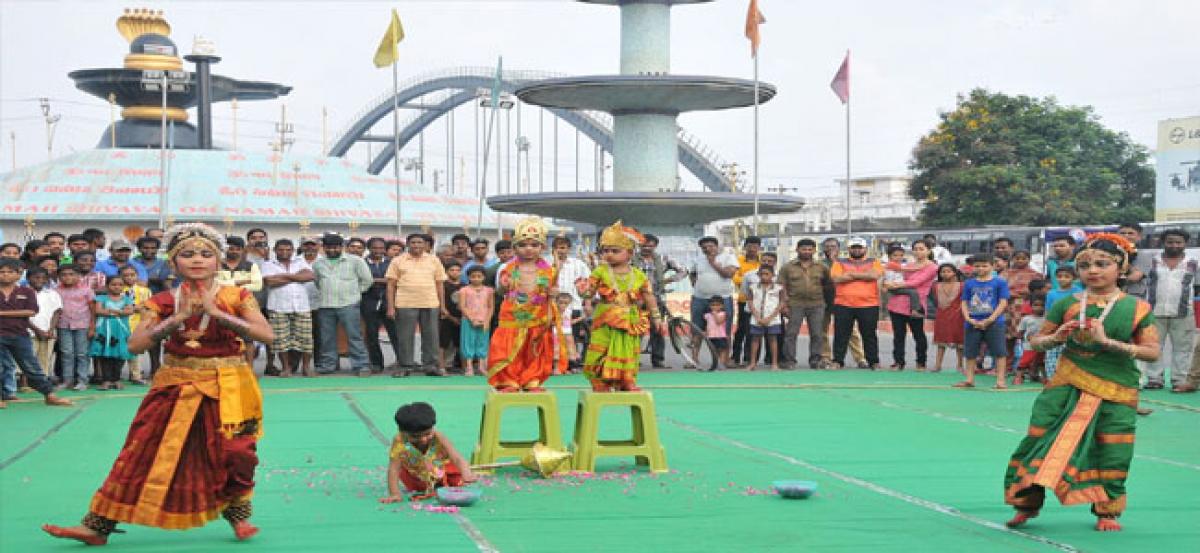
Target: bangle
(237,325)
(163,330)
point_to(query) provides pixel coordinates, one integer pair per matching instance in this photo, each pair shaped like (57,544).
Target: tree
(1017,160)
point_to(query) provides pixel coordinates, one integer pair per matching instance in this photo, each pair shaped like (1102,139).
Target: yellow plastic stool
(490,448)
(644,445)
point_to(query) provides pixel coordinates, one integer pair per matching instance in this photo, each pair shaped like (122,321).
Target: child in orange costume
(521,354)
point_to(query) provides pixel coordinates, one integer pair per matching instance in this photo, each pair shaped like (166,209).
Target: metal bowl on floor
(459,496)
(794,489)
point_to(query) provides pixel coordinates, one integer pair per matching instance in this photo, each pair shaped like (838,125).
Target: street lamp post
(163,81)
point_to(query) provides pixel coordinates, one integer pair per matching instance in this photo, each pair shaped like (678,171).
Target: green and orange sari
(1081,433)
(618,323)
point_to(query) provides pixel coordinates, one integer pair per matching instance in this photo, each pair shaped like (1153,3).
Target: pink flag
(841,81)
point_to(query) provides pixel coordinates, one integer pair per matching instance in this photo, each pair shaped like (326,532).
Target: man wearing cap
(856,302)
(341,280)
(310,249)
(119,254)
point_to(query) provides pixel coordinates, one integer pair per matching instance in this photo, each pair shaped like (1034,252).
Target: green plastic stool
(490,448)
(644,445)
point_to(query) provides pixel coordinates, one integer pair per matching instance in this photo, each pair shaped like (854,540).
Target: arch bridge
(454,87)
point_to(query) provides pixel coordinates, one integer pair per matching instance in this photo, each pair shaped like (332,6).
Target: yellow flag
(387,53)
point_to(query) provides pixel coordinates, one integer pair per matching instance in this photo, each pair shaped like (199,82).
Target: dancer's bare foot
(78,533)
(1107,524)
(1021,518)
(629,386)
(243,530)
(508,389)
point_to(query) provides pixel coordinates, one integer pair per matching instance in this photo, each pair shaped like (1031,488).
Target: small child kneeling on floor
(422,458)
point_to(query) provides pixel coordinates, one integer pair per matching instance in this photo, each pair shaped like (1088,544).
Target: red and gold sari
(190,451)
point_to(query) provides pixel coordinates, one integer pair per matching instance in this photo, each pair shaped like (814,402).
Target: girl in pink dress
(476,303)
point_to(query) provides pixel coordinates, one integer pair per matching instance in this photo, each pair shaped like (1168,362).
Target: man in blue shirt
(158,273)
(120,251)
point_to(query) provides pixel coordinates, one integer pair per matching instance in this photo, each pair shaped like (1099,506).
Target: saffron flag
(754,18)
(841,81)
(387,53)
(496,83)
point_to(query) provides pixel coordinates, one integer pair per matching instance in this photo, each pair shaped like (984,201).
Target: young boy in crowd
(984,301)
(1012,333)
(421,457)
(74,325)
(448,326)
(766,320)
(1037,287)
(42,325)
(17,305)
(139,294)
(85,266)
(1066,286)
(1029,362)
(564,301)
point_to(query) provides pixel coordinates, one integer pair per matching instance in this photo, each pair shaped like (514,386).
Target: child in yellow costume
(619,319)
(521,355)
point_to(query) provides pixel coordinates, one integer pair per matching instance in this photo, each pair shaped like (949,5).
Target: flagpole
(755,231)
(396,147)
(848,230)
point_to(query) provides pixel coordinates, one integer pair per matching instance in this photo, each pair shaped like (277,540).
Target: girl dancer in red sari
(190,452)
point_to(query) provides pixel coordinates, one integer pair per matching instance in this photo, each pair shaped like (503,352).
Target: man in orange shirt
(856,301)
(748,264)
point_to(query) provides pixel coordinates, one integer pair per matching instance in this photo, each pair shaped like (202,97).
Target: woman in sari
(189,456)
(1081,433)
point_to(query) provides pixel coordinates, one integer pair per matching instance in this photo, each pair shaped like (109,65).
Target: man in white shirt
(712,275)
(288,308)
(571,270)
(941,255)
(1171,284)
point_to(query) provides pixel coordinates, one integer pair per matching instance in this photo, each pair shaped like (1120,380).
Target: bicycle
(689,341)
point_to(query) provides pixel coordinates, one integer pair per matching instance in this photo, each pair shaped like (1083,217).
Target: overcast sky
(1134,61)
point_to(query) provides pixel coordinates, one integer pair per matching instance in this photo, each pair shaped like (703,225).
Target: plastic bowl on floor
(794,489)
(458,496)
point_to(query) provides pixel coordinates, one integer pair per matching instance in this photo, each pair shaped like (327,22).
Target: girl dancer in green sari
(1081,433)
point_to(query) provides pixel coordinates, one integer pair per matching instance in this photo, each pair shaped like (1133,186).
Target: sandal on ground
(964,384)
(1000,387)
